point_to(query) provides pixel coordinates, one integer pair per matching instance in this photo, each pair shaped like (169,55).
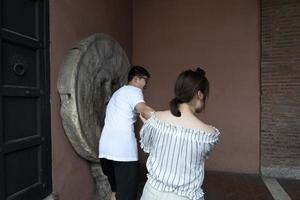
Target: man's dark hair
(137,71)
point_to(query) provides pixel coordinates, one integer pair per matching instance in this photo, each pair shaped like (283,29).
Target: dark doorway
(25,149)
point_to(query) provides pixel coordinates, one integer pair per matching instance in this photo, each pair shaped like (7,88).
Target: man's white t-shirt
(118,140)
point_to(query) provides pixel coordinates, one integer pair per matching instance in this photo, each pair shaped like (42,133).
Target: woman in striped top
(178,142)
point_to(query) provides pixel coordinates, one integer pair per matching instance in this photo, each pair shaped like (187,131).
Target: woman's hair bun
(200,71)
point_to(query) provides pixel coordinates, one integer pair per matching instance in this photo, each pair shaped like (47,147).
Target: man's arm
(144,110)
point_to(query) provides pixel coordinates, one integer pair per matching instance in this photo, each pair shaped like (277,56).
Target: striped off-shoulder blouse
(176,156)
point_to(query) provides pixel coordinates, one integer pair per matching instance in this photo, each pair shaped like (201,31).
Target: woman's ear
(200,95)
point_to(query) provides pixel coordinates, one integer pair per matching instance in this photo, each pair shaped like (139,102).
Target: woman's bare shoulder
(186,122)
(205,127)
(162,113)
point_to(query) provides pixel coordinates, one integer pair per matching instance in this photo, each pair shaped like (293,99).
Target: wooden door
(25,153)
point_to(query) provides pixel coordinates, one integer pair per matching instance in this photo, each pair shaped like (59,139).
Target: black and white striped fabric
(176,159)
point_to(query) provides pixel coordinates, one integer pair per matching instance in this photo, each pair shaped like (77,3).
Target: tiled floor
(292,187)
(231,186)
(234,186)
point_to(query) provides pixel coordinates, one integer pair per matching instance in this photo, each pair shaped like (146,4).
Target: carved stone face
(92,71)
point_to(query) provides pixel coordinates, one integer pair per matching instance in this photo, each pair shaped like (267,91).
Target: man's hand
(144,110)
(142,118)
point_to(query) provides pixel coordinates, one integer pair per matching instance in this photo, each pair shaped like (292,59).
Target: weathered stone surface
(103,188)
(52,196)
(90,73)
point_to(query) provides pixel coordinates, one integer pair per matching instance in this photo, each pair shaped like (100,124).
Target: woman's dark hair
(187,85)
(137,71)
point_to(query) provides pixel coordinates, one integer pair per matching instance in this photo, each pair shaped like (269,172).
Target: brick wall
(280,84)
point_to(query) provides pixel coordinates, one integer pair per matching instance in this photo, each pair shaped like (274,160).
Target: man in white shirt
(118,147)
